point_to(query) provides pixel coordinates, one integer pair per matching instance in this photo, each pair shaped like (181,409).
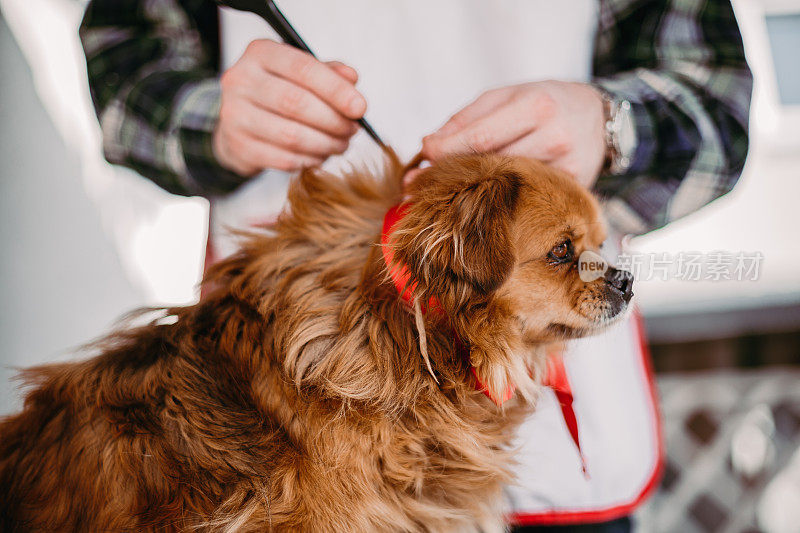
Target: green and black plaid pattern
(152,67)
(153,73)
(681,65)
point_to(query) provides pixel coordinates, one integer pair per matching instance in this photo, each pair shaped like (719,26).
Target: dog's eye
(561,253)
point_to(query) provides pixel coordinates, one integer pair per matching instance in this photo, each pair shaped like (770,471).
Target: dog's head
(498,240)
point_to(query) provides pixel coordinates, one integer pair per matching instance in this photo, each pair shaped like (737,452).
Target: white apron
(420,61)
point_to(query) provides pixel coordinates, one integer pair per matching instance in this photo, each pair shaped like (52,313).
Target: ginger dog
(316,387)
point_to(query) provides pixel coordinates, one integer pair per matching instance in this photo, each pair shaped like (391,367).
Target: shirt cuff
(191,154)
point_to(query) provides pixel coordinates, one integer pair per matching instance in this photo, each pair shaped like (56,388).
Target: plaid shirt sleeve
(152,68)
(681,65)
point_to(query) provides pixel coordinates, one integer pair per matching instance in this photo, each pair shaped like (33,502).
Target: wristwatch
(620,135)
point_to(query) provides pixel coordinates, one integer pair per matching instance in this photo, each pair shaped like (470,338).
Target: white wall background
(61,281)
(82,242)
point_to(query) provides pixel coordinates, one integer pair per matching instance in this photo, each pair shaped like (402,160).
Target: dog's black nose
(622,280)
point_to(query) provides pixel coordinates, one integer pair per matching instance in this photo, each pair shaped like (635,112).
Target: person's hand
(560,123)
(283,109)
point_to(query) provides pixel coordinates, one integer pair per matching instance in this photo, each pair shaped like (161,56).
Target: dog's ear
(456,231)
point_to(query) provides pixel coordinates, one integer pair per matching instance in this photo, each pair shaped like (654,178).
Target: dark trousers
(621,525)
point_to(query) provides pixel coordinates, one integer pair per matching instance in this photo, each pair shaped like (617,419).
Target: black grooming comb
(267,10)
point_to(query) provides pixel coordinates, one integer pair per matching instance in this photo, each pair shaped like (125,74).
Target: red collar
(405,286)
(398,272)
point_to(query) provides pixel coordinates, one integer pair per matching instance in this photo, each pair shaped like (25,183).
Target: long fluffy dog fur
(294,396)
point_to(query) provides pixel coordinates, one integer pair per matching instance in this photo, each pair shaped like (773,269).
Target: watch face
(626,135)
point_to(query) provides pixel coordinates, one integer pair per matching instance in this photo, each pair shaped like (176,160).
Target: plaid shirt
(153,70)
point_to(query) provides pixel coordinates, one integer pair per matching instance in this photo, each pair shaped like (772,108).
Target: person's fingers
(346,71)
(288,134)
(544,144)
(410,176)
(491,132)
(259,154)
(306,71)
(554,149)
(577,169)
(480,107)
(294,102)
